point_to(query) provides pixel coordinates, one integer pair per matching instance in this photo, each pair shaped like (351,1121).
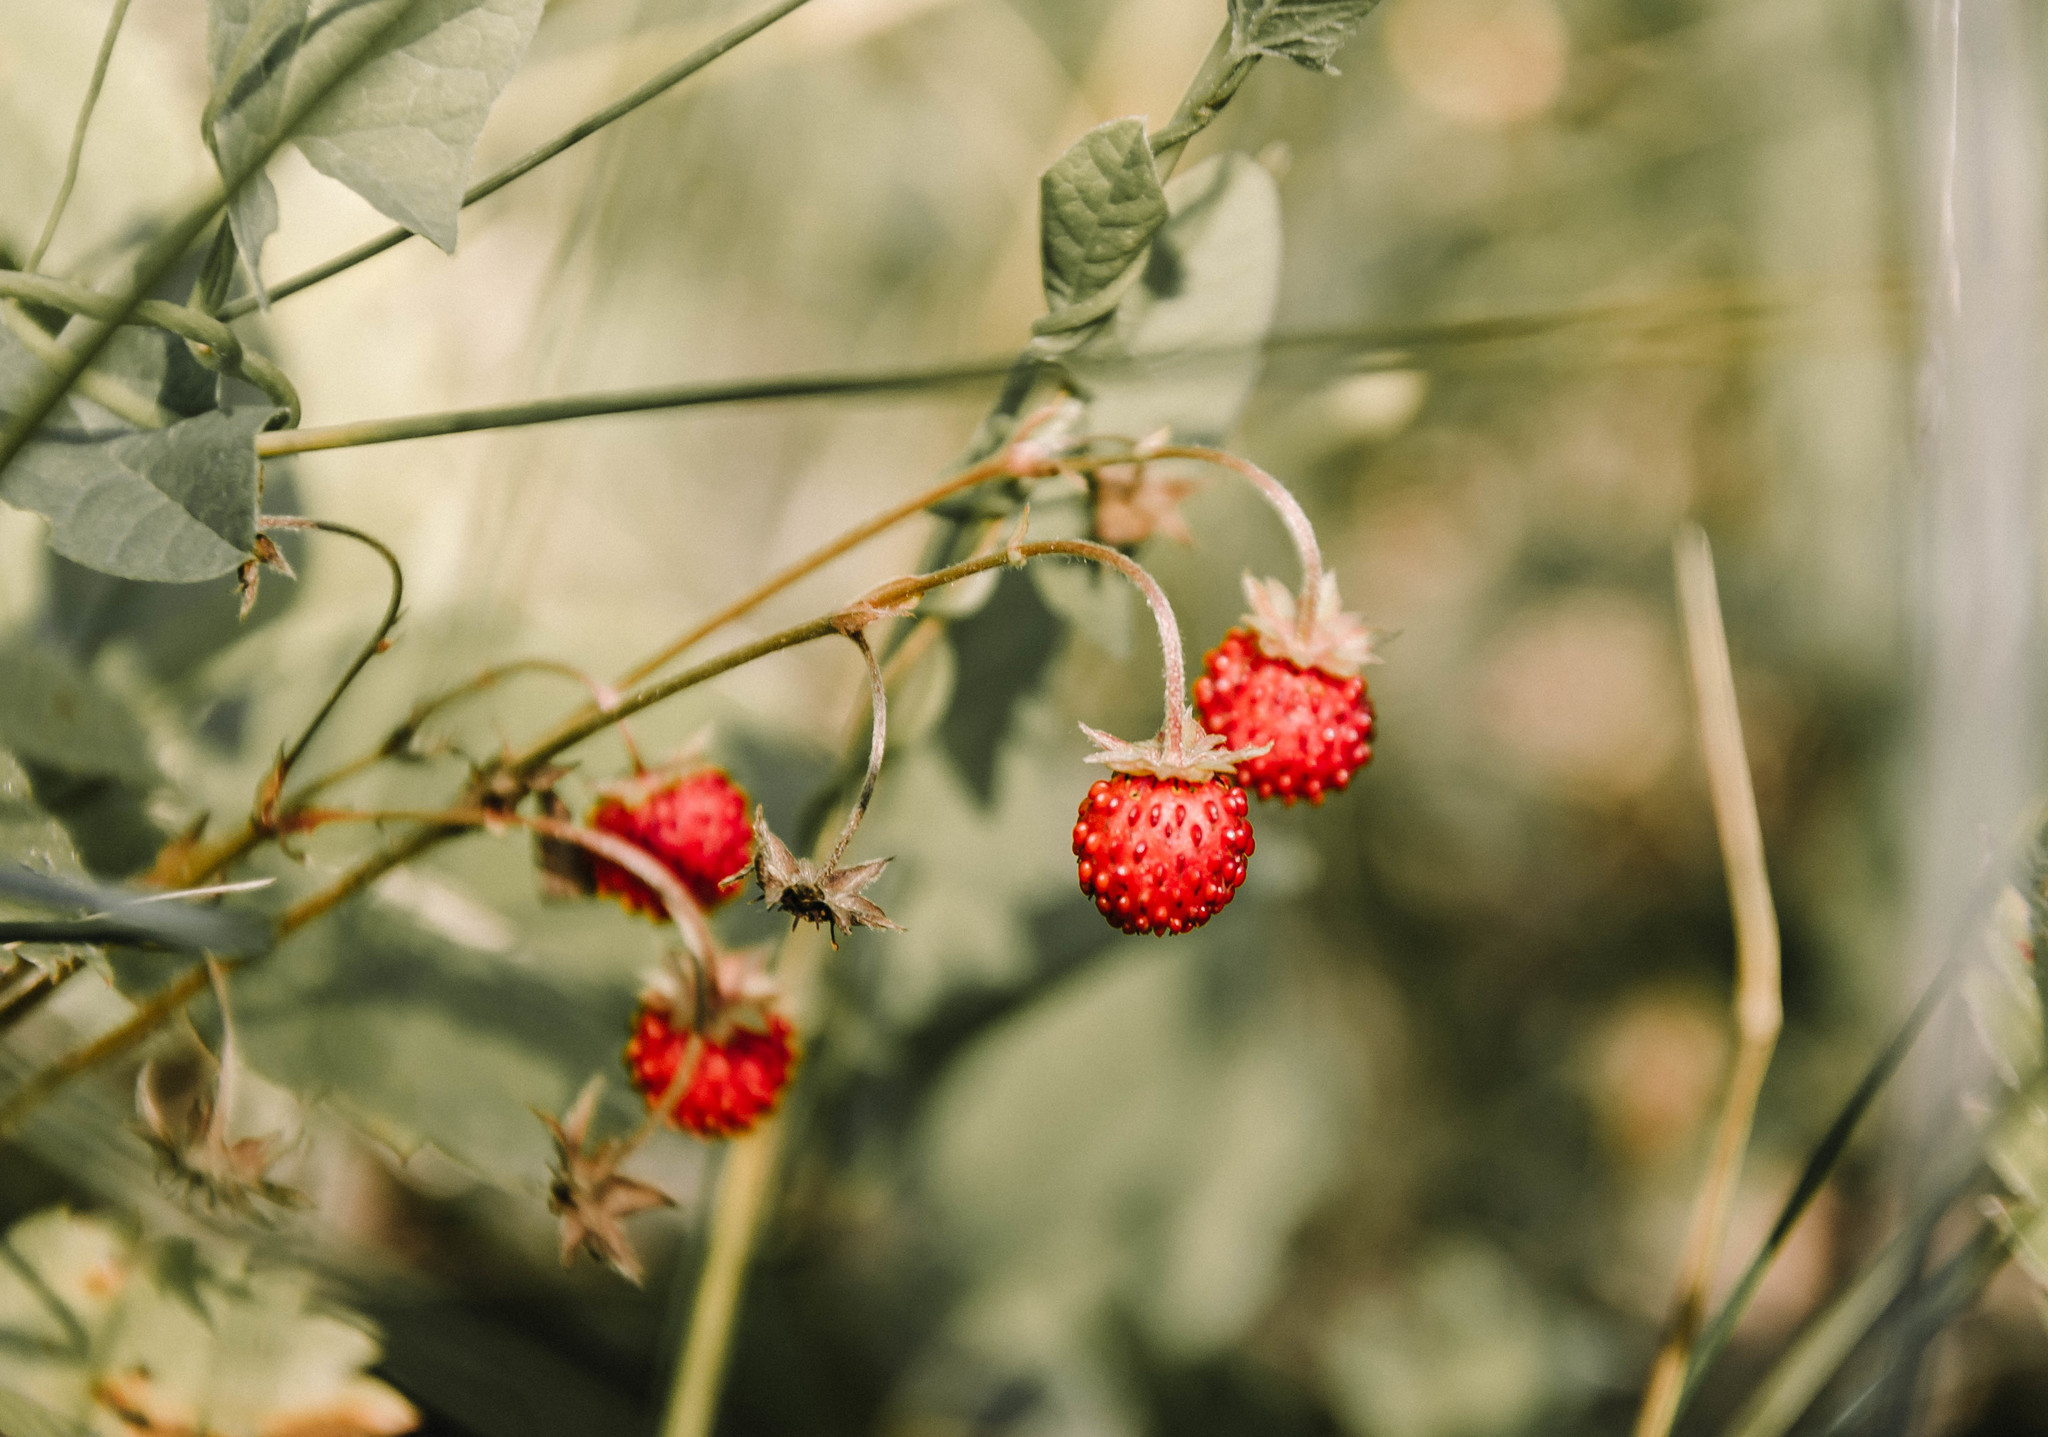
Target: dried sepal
(812,892)
(1335,641)
(1194,756)
(178,1096)
(263,554)
(588,1194)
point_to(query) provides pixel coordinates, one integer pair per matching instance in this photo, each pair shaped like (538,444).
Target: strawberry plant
(578,884)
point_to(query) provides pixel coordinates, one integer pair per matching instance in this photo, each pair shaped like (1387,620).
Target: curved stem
(878,744)
(1285,504)
(682,908)
(85,109)
(533,159)
(274,785)
(213,343)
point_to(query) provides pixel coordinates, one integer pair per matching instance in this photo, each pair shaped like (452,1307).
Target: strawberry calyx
(1312,629)
(1182,750)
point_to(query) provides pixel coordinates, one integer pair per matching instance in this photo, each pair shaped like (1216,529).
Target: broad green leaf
(29,836)
(1186,342)
(54,715)
(1308,32)
(95,1329)
(400,131)
(1100,205)
(175,505)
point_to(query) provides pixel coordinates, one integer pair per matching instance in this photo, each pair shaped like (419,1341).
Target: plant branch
(1284,503)
(273,786)
(878,746)
(1759,1013)
(535,158)
(78,130)
(213,343)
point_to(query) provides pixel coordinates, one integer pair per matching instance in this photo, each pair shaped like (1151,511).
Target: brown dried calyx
(816,893)
(184,1099)
(1318,635)
(588,1193)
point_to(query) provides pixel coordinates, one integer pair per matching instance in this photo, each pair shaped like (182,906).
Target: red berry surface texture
(698,826)
(739,1078)
(1318,723)
(1162,855)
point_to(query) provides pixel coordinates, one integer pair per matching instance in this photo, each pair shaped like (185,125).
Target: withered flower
(816,893)
(1134,501)
(183,1099)
(590,1195)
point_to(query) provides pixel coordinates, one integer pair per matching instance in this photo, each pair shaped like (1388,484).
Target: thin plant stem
(213,343)
(540,155)
(274,784)
(682,908)
(878,745)
(1299,529)
(173,240)
(78,132)
(1759,1011)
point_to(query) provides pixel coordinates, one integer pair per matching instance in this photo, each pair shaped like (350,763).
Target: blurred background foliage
(1402,1144)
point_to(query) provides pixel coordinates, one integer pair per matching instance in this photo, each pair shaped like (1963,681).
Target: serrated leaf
(1308,32)
(1100,204)
(400,131)
(175,505)
(1186,343)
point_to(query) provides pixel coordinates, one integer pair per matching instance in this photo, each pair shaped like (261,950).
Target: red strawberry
(738,1080)
(696,825)
(1298,690)
(1162,842)
(1319,723)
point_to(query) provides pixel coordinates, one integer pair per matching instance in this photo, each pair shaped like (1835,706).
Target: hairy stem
(878,745)
(78,130)
(1291,514)
(535,158)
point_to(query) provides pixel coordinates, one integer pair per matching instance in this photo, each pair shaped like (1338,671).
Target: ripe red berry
(697,826)
(1319,723)
(1162,855)
(739,1076)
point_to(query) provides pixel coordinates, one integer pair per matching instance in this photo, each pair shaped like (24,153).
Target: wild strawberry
(696,825)
(1292,682)
(739,1076)
(1162,855)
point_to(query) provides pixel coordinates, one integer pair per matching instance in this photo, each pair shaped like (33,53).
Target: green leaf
(1308,32)
(1185,345)
(55,715)
(400,131)
(176,505)
(1100,204)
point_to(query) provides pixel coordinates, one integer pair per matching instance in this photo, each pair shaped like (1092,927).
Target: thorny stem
(533,159)
(1759,1012)
(878,744)
(85,109)
(1285,504)
(274,784)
